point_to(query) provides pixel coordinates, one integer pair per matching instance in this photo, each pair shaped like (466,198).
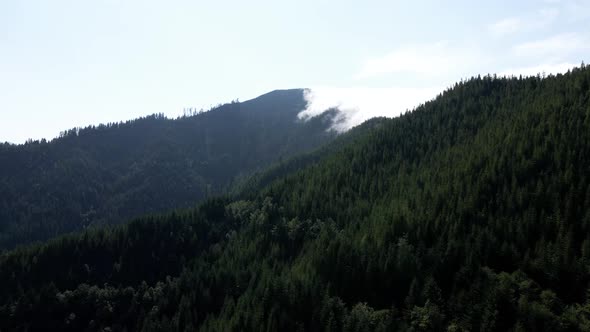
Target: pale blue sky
(74,63)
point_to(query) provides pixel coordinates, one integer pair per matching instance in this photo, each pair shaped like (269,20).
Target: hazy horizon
(68,64)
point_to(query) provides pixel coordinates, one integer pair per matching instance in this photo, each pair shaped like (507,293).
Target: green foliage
(108,174)
(471,213)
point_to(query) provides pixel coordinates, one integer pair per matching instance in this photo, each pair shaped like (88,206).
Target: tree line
(469,213)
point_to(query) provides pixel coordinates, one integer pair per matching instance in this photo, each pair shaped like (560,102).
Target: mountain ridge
(108,173)
(470,213)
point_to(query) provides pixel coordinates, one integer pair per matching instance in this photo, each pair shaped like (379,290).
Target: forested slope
(471,213)
(110,173)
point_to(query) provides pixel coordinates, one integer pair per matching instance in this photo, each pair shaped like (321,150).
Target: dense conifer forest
(469,213)
(107,174)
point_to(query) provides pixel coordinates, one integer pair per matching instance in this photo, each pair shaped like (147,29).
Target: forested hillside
(110,173)
(470,213)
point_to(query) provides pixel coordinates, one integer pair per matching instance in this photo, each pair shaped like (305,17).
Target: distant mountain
(470,213)
(110,173)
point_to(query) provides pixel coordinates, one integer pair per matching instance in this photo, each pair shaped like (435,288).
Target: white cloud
(559,45)
(505,26)
(421,71)
(576,10)
(360,104)
(422,59)
(525,23)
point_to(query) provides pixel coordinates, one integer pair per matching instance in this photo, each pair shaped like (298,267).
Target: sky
(72,63)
